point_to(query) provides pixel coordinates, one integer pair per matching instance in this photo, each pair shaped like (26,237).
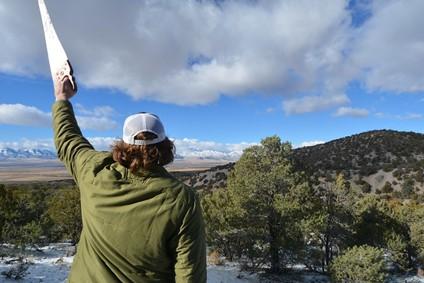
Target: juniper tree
(222,221)
(360,264)
(270,197)
(329,229)
(379,225)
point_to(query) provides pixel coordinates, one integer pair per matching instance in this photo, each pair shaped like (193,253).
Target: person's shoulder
(97,161)
(179,190)
(100,157)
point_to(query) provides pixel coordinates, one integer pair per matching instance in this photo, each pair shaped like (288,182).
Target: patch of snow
(52,265)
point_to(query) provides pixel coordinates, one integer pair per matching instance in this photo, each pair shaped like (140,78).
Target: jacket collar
(157,171)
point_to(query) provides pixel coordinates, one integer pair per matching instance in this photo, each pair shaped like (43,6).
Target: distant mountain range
(180,162)
(12,154)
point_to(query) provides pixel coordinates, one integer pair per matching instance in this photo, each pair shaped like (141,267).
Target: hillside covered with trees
(271,217)
(384,161)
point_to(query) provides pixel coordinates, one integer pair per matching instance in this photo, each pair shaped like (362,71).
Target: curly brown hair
(135,157)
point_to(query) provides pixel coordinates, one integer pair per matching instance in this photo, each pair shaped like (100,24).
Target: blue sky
(221,77)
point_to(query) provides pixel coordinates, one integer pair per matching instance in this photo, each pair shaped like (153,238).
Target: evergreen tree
(360,264)
(222,220)
(378,224)
(330,228)
(270,197)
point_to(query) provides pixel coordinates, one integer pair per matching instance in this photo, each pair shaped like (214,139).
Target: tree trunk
(274,243)
(327,251)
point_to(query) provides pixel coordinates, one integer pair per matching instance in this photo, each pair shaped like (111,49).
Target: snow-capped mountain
(9,153)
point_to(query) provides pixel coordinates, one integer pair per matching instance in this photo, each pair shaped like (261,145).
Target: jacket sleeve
(72,148)
(191,247)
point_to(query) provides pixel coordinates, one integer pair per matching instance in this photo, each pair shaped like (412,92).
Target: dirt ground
(53,170)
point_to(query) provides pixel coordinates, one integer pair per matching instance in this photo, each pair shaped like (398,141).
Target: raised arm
(72,148)
(190,266)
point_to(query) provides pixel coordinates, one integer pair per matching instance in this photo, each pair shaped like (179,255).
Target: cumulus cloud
(23,115)
(313,103)
(28,144)
(197,51)
(102,143)
(191,52)
(18,114)
(351,112)
(193,148)
(390,47)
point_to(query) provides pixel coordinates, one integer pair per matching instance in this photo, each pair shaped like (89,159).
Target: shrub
(408,188)
(64,210)
(366,188)
(387,188)
(215,258)
(359,264)
(417,240)
(398,249)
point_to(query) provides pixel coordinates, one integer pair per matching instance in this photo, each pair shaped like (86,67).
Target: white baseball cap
(143,122)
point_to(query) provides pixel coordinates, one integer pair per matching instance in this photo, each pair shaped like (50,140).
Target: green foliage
(330,228)
(387,188)
(221,218)
(417,239)
(408,187)
(379,224)
(387,167)
(359,264)
(366,188)
(372,221)
(64,209)
(397,245)
(30,215)
(258,218)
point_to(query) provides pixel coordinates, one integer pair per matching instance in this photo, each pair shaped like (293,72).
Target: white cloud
(198,50)
(380,115)
(313,103)
(311,143)
(96,123)
(410,116)
(351,112)
(270,110)
(18,114)
(193,148)
(97,111)
(407,116)
(102,143)
(28,144)
(390,49)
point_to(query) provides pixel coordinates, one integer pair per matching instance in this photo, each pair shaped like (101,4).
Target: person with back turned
(140,224)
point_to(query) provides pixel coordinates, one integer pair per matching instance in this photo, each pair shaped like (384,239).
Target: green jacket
(144,227)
